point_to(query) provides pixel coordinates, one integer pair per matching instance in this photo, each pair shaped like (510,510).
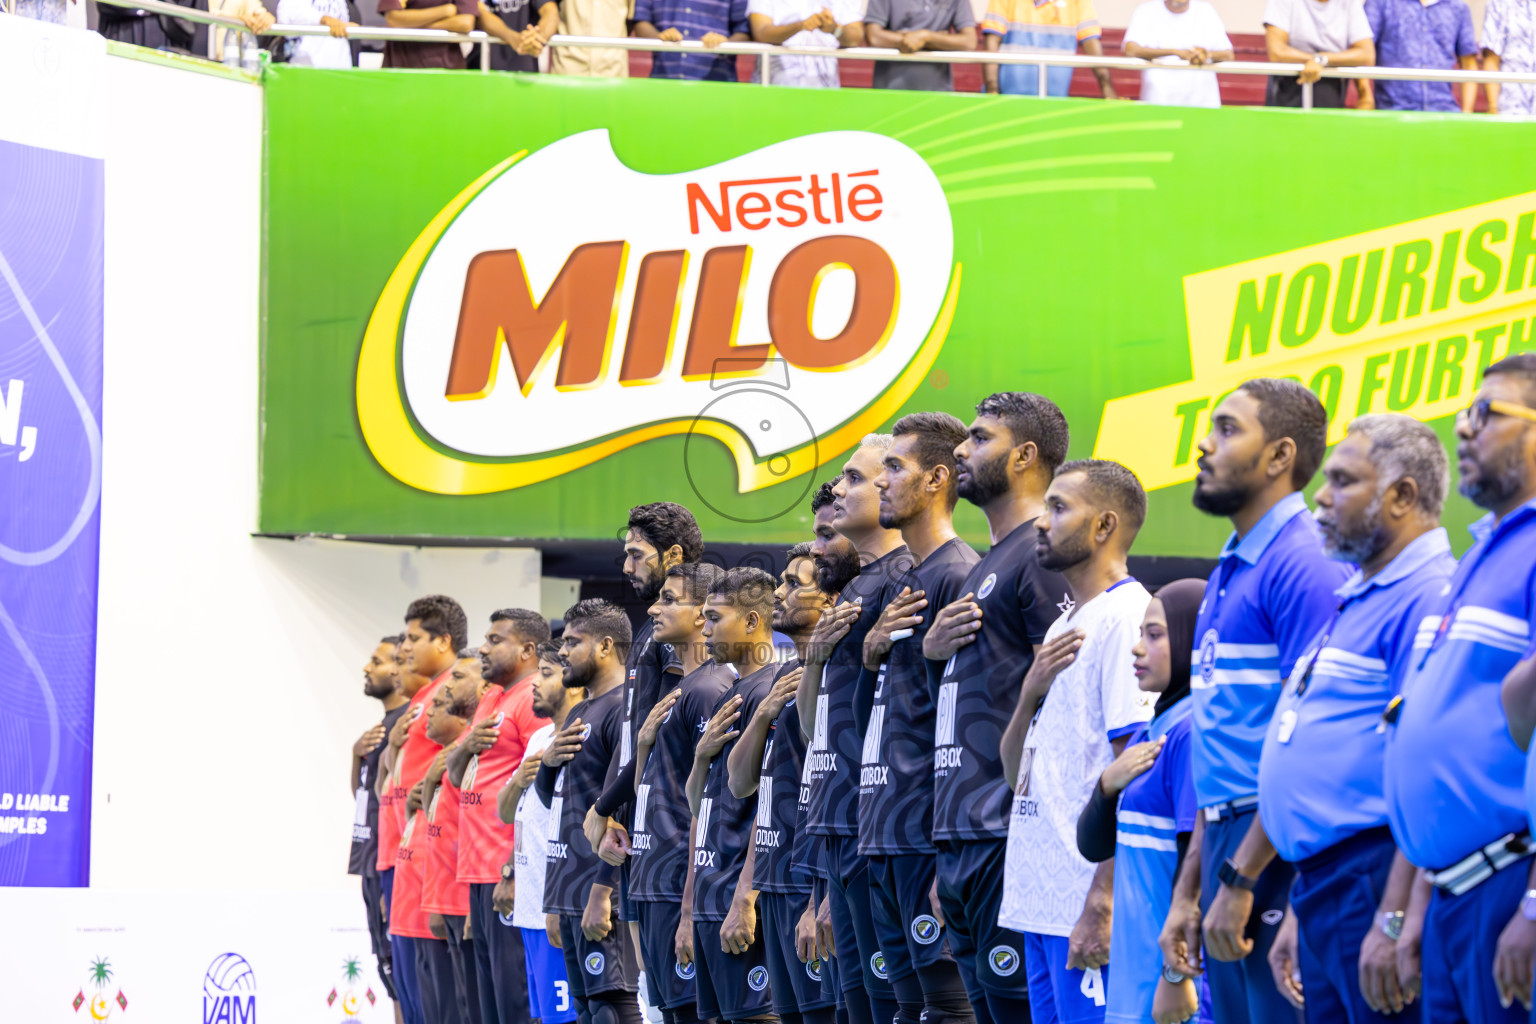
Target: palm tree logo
(352,975)
(101,972)
(99,976)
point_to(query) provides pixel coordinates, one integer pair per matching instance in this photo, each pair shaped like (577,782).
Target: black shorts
(794,987)
(668,983)
(628,910)
(378,931)
(970,874)
(905,923)
(731,986)
(864,963)
(593,968)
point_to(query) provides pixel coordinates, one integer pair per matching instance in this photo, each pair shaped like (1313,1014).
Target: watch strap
(1228,874)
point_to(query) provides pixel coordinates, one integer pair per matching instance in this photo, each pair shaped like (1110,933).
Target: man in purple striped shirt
(712,22)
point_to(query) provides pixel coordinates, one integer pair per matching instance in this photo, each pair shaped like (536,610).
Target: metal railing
(1042,61)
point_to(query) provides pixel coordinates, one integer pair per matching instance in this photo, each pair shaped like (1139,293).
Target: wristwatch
(1228,874)
(1392,924)
(1321,58)
(1172,976)
(506,872)
(1528,905)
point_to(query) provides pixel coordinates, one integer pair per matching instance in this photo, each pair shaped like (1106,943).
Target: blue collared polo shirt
(1320,776)
(1454,778)
(1271,593)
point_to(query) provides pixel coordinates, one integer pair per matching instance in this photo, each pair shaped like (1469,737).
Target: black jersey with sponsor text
(365,834)
(658,864)
(573,865)
(979,686)
(896,774)
(838,741)
(645,676)
(725,821)
(778,801)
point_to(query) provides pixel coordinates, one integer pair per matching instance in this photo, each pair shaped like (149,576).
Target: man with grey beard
(1321,802)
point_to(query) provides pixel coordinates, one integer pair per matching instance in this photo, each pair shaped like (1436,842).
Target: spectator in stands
(1420,34)
(1179,32)
(332,51)
(912,25)
(1509,44)
(805,23)
(711,22)
(592,18)
(1315,34)
(256,17)
(457,16)
(512,21)
(151,29)
(1024,26)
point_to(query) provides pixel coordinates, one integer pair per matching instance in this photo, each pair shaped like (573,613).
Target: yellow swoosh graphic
(404,455)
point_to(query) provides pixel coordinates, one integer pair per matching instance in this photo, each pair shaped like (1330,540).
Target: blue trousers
(1245,990)
(1335,898)
(403,954)
(1460,935)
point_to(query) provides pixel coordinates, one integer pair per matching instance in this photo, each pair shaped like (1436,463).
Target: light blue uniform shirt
(1270,594)
(1454,778)
(1154,809)
(1320,774)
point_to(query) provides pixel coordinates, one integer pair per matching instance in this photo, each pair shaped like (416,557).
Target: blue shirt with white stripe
(1454,778)
(1320,774)
(1271,593)
(1154,809)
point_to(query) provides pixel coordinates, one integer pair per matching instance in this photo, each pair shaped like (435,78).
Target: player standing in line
(549,990)
(454,989)
(658,860)
(599,962)
(480,766)
(986,641)
(1272,592)
(1078,705)
(435,630)
(769,762)
(832,713)
(381,681)
(726,935)
(657,537)
(916,486)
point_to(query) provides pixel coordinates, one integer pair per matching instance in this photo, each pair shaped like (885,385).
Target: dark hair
(598,618)
(1522,365)
(938,435)
(748,588)
(697,578)
(1288,408)
(528,625)
(463,705)
(1115,485)
(1181,607)
(1031,418)
(548,651)
(468,652)
(393,639)
(823,496)
(662,524)
(802,550)
(440,615)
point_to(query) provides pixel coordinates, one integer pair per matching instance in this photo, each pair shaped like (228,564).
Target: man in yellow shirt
(1040,26)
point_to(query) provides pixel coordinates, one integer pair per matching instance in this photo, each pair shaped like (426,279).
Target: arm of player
(1379,983)
(481,738)
(1088,945)
(1230,910)
(744,762)
(830,628)
(646,738)
(1050,658)
(366,744)
(720,731)
(740,925)
(682,942)
(512,792)
(1180,937)
(1514,954)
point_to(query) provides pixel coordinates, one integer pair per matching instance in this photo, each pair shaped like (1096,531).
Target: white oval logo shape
(816,267)
(986,586)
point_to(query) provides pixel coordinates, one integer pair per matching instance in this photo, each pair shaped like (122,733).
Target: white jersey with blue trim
(1092,701)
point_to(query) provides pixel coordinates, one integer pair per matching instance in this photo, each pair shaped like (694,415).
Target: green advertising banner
(506,306)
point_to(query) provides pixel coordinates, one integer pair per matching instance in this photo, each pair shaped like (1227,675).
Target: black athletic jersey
(980,685)
(573,865)
(645,681)
(724,832)
(778,800)
(365,823)
(896,776)
(658,864)
(838,742)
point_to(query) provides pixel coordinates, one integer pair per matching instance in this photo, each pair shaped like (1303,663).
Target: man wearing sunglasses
(1453,774)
